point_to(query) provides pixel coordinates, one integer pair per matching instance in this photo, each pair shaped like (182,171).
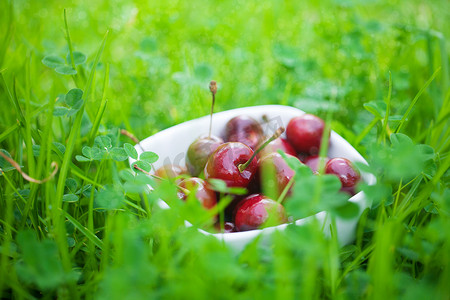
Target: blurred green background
(319,56)
(162,55)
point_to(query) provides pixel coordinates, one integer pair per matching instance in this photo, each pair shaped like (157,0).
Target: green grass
(376,68)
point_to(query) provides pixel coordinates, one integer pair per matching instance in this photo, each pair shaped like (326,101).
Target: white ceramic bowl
(171,145)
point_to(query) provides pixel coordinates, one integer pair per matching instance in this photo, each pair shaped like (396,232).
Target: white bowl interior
(171,145)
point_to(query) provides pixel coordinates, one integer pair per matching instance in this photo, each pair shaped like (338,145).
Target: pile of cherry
(242,155)
(230,159)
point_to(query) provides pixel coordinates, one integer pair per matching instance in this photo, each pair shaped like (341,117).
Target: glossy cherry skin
(198,186)
(313,162)
(199,152)
(245,130)
(255,210)
(170,171)
(347,173)
(278,144)
(223,164)
(283,173)
(305,133)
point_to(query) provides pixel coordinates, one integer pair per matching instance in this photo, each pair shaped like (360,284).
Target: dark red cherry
(198,186)
(347,173)
(224,164)
(255,210)
(170,171)
(313,162)
(199,152)
(279,144)
(283,173)
(305,133)
(245,130)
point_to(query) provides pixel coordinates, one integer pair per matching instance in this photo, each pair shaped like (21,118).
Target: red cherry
(274,161)
(313,162)
(245,130)
(224,164)
(345,171)
(305,133)
(198,186)
(255,210)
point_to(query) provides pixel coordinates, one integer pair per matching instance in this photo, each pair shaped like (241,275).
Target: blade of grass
(105,259)
(8,131)
(409,196)
(27,129)
(29,144)
(332,259)
(69,42)
(16,126)
(15,103)
(426,191)
(9,34)
(388,106)
(91,261)
(6,236)
(366,130)
(87,88)
(13,100)
(79,174)
(101,109)
(413,103)
(137,207)
(444,58)
(381,265)
(441,126)
(46,146)
(86,232)
(364,254)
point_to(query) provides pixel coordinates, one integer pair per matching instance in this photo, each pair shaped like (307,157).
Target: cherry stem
(27,177)
(131,137)
(276,135)
(213,89)
(186,191)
